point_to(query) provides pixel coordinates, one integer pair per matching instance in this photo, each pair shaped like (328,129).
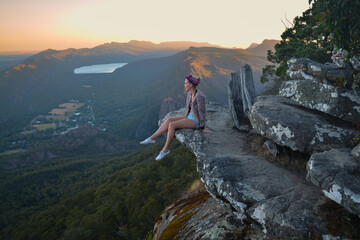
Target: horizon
(20,52)
(39,25)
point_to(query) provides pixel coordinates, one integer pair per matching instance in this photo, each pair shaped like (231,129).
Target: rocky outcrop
(315,116)
(306,69)
(199,216)
(312,113)
(282,203)
(333,100)
(289,124)
(338,174)
(241,94)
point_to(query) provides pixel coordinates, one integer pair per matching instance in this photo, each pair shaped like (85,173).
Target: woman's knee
(172,119)
(167,121)
(171,126)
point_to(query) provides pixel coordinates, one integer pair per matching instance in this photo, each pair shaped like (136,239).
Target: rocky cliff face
(266,196)
(252,190)
(250,187)
(313,116)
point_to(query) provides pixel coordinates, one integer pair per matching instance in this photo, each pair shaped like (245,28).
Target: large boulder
(306,69)
(249,186)
(333,100)
(241,95)
(289,124)
(338,174)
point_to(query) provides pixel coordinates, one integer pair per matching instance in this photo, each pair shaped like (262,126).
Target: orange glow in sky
(42,24)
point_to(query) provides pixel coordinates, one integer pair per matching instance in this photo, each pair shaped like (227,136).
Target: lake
(99,68)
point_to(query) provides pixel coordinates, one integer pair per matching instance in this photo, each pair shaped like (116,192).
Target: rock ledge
(248,185)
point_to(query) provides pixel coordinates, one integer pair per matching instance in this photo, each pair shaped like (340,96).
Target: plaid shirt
(197,108)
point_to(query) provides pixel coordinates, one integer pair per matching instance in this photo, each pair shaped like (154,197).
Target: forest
(105,196)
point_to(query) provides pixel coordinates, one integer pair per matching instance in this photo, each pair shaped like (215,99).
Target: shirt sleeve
(202,112)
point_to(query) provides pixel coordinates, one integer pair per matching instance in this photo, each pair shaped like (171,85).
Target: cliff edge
(310,116)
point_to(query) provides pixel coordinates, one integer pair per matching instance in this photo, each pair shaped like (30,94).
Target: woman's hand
(207,131)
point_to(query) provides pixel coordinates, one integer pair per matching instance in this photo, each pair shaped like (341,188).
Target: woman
(195,116)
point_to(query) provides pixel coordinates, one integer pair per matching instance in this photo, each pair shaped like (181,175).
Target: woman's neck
(193,91)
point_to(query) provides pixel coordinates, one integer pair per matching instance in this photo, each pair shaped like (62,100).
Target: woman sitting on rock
(195,116)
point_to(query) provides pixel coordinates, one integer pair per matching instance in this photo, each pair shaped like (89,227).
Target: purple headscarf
(192,80)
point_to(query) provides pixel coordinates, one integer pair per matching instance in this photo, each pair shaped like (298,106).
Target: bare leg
(184,123)
(164,127)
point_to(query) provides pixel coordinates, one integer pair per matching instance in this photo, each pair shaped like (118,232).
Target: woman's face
(187,85)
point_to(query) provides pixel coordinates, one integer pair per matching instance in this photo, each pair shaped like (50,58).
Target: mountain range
(119,52)
(154,72)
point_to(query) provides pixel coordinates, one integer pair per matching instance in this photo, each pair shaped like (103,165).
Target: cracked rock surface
(306,69)
(289,124)
(333,100)
(338,174)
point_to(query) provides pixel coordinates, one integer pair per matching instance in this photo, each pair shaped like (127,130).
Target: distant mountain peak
(252,45)
(262,48)
(271,41)
(141,43)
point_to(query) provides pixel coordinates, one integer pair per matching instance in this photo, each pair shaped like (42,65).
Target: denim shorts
(190,116)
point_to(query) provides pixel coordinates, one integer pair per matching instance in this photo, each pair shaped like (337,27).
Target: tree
(326,25)
(341,18)
(302,39)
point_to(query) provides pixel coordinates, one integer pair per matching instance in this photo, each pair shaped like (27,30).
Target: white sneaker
(162,155)
(147,141)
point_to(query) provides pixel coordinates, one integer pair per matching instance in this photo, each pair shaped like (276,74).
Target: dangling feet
(147,141)
(162,155)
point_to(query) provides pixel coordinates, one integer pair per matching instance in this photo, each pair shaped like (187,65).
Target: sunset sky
(27,25)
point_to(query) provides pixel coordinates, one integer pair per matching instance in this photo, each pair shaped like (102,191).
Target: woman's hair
(194,80)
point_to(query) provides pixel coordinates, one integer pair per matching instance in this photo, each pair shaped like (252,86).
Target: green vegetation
(99,197)
(45,127)
(303,39)
(25,141)
(325,26)
(341,19)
